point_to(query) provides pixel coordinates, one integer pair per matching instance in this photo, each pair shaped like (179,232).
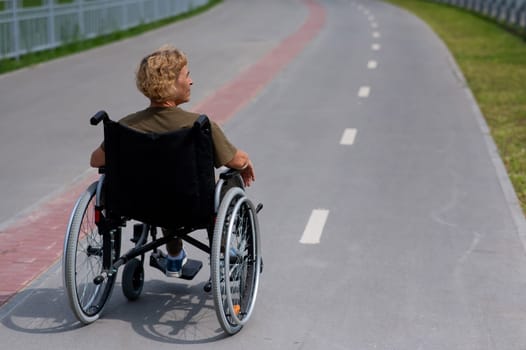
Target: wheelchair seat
(164,180)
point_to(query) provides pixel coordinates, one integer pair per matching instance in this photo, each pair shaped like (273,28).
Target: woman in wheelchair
(156,168)
(163,77)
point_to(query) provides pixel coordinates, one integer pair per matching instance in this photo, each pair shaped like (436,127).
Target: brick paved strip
(34,243)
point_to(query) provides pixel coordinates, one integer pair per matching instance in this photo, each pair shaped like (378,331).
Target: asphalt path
(388,222)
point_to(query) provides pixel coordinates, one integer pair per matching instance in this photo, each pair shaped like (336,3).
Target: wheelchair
(162,181)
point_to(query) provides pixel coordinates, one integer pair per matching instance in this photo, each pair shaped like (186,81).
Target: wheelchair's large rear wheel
(235,260)
(83,260)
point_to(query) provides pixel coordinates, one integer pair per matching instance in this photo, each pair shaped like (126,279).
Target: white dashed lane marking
(348,137)
(314,228)
(316,223)
(364,91)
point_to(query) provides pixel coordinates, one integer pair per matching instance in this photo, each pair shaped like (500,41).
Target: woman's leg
(173,246)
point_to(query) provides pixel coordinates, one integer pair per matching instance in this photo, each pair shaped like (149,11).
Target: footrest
(190,269)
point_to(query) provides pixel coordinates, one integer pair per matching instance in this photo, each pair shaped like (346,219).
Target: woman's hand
(242,162)
(248,174)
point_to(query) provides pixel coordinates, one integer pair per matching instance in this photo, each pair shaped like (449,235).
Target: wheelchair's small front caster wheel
(208,286)
(133,279)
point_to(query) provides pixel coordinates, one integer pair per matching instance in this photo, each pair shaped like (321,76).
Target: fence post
(124,13)
(16,33)
(51,23)
(80,14)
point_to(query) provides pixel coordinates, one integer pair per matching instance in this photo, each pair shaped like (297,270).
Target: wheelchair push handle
(98,117)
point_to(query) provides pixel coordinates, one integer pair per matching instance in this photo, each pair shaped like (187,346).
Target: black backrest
(165,180)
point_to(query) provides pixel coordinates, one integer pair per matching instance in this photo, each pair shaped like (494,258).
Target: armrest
(228,174)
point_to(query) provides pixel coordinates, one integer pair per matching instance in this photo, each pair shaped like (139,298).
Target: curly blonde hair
(158,72)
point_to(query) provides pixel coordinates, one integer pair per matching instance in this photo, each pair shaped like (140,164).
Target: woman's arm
(242,162)
(98,158)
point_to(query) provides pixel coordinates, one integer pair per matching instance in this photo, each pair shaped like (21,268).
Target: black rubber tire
(236,223)
(133,279)
(82,260)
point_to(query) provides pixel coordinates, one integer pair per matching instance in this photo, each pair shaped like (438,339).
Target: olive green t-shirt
(165,119)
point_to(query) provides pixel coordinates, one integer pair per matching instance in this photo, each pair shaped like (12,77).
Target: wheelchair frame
(94,240)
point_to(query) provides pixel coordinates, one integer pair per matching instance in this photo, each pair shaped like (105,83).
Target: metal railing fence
(510,12)
(32,29)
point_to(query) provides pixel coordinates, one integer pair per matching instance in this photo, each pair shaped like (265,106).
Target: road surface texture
(389,222)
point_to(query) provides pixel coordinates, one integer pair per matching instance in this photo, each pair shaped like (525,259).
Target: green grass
(7,65)
(492,57)
(33,3)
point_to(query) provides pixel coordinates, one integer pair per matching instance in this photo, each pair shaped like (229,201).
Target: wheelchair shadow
(40,311)
(166,312)
(171,313)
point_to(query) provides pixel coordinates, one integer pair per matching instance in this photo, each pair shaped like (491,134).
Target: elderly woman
(163,77)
